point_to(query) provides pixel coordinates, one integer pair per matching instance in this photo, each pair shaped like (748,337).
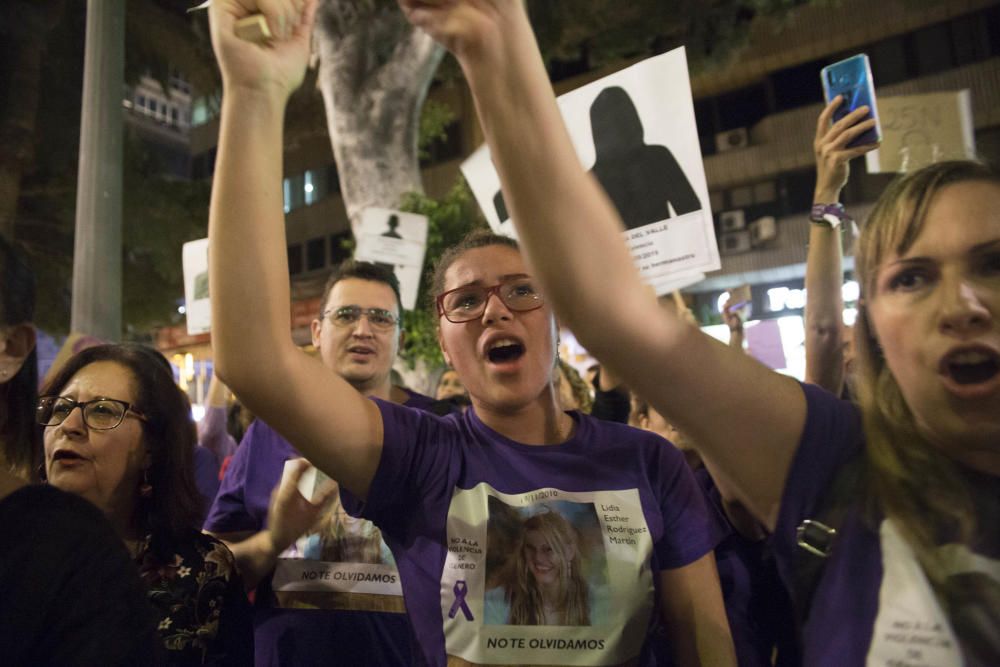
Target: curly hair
(173,509)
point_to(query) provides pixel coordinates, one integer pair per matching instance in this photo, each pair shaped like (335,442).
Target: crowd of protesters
(684,505)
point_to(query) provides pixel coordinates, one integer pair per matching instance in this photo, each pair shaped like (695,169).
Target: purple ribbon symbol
(460,591)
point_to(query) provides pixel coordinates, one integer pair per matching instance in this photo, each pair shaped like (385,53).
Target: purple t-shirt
(478,523)
(760,614)
(334,596)
(872,604)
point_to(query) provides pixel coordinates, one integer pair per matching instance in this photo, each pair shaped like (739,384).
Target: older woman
(118,433)
(898,500)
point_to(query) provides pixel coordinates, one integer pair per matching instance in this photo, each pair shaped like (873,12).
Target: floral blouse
(203,612)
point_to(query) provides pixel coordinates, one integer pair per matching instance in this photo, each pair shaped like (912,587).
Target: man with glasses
(331,596)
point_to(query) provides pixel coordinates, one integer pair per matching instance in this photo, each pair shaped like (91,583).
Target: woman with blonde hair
(898,500)
(547,586)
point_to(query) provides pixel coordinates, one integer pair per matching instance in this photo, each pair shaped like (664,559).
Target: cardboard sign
(918,130)
(397,240)
(635,131)
(198,307)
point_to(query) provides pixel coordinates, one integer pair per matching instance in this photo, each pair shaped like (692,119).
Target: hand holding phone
(852,79)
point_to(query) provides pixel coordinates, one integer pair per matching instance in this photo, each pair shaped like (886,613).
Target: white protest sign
(198,308)
(398,240)
(635,131)
(918,130)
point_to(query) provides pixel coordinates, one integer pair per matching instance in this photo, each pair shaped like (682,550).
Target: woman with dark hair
(426,481)
(128,450)
(19,451)
(883,514)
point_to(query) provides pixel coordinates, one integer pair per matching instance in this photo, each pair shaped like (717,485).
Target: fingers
(282,15)
(851,119)
(850,134)
(325,492)
(295,469)
(823,123)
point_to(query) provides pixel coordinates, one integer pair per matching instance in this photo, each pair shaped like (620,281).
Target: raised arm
(316,410)
(745,417)
(824,264)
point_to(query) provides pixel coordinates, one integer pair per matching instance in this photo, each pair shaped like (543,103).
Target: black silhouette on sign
(392,223)
(640,179)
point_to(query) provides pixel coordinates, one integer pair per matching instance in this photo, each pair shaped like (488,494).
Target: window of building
(888,61)
(765,192)
(797,191)
(930,49)
(742,108)
(315,185)
(970,38)
(741,197)
(294,190)
(798,86)
(295,259)
(315,254)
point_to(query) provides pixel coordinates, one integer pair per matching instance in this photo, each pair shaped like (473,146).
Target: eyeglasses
(467,303)
(379,318)
(100,414)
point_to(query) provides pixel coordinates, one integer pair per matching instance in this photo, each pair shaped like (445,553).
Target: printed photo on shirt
(546,577)
(341,563)
(544,564)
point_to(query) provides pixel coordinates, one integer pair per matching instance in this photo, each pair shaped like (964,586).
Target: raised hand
(832,153)
(291,515)
(464,27)
(276,66)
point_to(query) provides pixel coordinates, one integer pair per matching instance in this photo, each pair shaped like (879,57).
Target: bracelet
(829,215)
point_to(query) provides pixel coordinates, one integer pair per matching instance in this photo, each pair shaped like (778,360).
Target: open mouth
(505,350)
(971,367)
(66,455)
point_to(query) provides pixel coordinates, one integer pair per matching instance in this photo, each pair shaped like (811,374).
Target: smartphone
(852,78)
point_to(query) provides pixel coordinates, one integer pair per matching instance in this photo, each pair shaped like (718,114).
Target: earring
(146,489)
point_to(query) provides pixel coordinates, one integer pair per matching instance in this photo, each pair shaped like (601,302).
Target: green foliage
(449,219)
(606,30)
(435,117)
(159,215)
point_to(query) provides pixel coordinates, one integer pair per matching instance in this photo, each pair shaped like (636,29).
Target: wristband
(830,215)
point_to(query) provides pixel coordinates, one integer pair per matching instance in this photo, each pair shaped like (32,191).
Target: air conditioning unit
(732,221)
(732,139)
(763,230)
(734,243)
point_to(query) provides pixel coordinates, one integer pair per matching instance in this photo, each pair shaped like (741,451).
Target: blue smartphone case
(852,78)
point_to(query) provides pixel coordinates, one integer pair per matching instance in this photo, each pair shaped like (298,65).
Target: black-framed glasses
(100,414)
(467,303)
(346,316)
